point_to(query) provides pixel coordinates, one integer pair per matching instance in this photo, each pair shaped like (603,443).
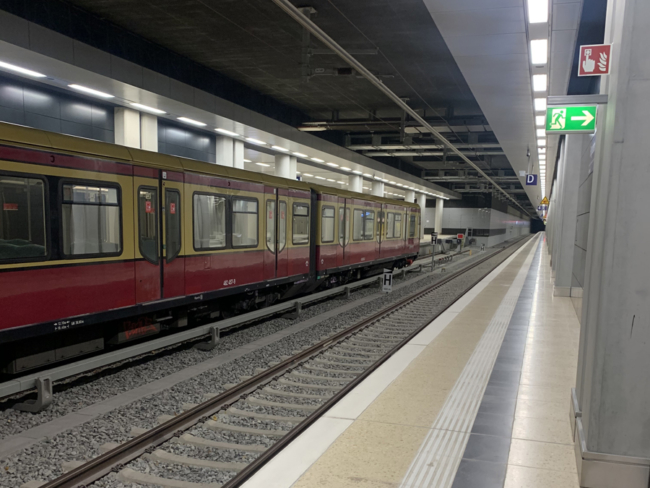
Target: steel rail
(115,459)
(303,20)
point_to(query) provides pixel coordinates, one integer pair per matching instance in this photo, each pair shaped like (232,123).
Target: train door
(344,228)
(271,232)
(276,256)
(147,223)
(173,263)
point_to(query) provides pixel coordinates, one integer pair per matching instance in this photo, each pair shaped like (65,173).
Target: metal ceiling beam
(432,153)
(414,147)
(295,13)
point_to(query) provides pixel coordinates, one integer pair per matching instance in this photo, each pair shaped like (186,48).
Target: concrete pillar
(149,132)
(356,183)
(283,166)
(437,224)
(569,176)
(225,151)
(422,202)
(378,188)
(409,196)
(613,384)
(238,154)
(559,209)
(293,167)
(127,127)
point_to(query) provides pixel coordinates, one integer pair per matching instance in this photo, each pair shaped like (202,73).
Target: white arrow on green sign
(562,120)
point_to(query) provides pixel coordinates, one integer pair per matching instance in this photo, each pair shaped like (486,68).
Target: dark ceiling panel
(255,43)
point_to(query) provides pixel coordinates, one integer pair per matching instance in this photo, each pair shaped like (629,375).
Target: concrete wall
(46,109)
(582,223)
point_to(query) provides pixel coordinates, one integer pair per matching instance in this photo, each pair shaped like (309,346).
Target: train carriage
(103,244)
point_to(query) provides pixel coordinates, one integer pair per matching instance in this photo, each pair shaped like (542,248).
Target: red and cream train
(101,243)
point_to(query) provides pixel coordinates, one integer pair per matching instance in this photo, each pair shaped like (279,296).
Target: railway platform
(480,398)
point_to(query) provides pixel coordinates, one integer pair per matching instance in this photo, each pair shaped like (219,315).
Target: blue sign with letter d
(531,180)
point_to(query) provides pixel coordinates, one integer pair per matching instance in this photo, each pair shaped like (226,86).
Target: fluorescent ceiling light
(307,174)
(357,172)
(318,160)
(541,150)
(392,182)
(191,121)
(227,132)
(541,132)
(537,11)
(148,109)
(300,155)
(541,142)
(256,141)
(247,161)
(263,164)
(20,70)
(540,120)
(539,51)
(540,104)
(399,184)
(540,82)
(333,165)
(330,179)
(368,175)
(320,178)
(346,169)
(90,91)
(280,148)
(341,182)
(297,172)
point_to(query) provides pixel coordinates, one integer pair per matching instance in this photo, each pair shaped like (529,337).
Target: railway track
(227,438)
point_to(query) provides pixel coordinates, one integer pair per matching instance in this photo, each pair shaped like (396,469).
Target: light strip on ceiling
(539,51)
(90,91)
(280,148)
(22,71)
(256,141)
(192,122)
(540,83)
(227,132)
(537,11)
(540,104)
(146,108)
(540,120)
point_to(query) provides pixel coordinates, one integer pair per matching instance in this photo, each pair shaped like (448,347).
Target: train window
(270,225)
(244,222)
(148,223)
(327,225)
(412,226)
(22,218)
(172,224)
(300,223)
(209,222)
(282,227)
(90,220)
(398,226)
(390,225)
(368,225)
(363,225)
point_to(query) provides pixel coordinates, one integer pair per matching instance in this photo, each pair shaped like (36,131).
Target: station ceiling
(256,44)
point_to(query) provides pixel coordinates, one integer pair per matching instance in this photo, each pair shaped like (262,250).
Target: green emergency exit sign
(570,119)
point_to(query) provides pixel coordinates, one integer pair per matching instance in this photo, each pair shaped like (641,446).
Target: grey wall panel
(582,218)
(582,229)
(584,196)
(45,109)
(180,141)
